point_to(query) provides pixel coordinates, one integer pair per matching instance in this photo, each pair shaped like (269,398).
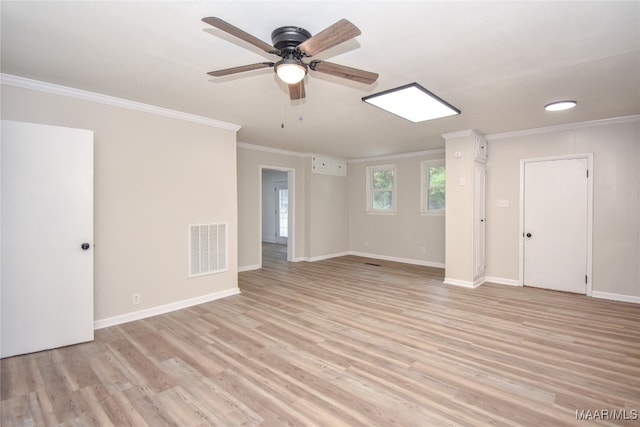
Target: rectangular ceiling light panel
(412,102)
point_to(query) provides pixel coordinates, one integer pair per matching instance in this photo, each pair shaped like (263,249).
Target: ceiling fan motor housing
(286,39)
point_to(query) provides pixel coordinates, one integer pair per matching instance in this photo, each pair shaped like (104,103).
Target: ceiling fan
(292,44)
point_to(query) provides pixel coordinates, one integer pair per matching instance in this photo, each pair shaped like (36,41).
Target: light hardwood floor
(341,342)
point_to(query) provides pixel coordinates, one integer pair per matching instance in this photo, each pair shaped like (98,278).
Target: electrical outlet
(135,298)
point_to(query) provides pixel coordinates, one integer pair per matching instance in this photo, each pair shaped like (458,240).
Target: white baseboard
(365,255)
(462,283)
(615,297)
(396,259)
(161,309)
(328,256)
(249,267)
(502,281)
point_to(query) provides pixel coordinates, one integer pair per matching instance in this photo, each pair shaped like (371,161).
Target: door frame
(589,158)
(291,177)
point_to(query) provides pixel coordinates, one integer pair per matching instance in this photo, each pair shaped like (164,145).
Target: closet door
(555,224)
(479,218)
(47,237)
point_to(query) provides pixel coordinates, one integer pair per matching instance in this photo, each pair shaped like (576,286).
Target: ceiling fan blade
(242,35)
(343,71)
(242,68)
(296,90)
(333,35)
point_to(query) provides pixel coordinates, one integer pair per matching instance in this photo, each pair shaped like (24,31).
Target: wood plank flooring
(343,343)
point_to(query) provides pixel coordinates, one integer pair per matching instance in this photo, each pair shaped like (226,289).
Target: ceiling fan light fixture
(290,71)
(560,105)
(412,102)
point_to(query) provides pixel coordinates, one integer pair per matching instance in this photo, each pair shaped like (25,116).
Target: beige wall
(459,221)
(249,213)
(407,235)
(153,176)
(321,225)
(616,215)
(328,213)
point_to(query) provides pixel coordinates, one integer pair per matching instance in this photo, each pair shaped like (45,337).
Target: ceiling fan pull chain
(300,118)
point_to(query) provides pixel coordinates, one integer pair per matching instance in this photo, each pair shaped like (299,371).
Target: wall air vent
(207,249)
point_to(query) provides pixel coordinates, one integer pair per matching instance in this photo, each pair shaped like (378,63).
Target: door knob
(528,234)
(85,246)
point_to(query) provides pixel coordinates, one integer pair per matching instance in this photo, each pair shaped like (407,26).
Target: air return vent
(207,249)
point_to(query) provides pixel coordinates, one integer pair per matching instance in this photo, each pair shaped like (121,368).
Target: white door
(282,212)
(479,219)
(555,225)
(47,237)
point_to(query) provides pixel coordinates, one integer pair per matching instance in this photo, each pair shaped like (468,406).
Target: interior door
(282,212)
(555,224)
(479,218)
(47,237)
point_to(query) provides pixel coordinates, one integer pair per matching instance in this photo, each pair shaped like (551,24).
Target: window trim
(369,175)
(424,187)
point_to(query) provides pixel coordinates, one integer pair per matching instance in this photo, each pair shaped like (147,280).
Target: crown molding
(459,134)
(560,128)
(248,146)
(399,156)
(25,83)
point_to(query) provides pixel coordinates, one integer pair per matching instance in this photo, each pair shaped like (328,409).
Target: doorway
(277,214)
(556,213)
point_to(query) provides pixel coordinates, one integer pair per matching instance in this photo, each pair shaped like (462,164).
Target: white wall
(408,235)
(616,217)
(153,176)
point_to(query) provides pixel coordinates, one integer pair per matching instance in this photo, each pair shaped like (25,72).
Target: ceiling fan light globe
(291,73)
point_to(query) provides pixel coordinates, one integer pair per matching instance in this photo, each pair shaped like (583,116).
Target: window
(282,225)
(434,179)
(381,188)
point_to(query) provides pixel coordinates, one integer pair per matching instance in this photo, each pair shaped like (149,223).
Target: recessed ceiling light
(560,105)
(412,102)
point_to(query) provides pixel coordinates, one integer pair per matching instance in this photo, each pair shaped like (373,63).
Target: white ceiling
(498,62)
